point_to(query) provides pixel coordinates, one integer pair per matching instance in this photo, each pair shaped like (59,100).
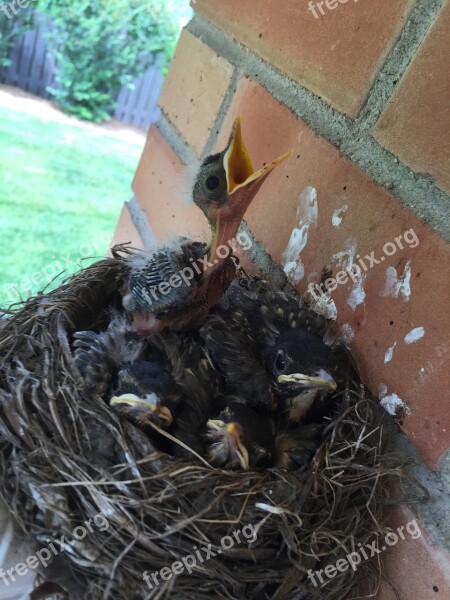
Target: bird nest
(156,526)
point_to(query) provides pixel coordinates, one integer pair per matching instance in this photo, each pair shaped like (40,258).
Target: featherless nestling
(156,296)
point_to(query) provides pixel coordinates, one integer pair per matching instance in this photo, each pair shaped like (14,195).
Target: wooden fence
(137,102)
(33,69)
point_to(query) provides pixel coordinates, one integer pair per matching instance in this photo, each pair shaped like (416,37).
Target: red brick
(416,122)
(416,568)
(163,191)
(194,89)
(372,219)
(336,56)
(126,232)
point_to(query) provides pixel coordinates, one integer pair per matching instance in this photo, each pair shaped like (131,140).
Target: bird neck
(222,242)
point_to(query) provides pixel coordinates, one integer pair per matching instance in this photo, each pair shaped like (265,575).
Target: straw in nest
(66,458)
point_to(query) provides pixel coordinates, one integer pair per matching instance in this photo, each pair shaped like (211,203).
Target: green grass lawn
(61,190)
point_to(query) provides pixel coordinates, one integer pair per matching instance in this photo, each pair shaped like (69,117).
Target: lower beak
(242,455)
(238,446)
(321,381)
(243,183)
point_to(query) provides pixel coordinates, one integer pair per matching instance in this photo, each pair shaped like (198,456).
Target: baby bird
(164,380)
(270,349)
(302,371)
(295,447)
(240,438)
(177,287)
(137,378)
(146,393)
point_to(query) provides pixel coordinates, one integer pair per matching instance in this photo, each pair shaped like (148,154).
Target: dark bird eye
(212,183)
(280,362)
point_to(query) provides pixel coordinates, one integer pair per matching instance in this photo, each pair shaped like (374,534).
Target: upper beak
(215,424)
(239,165)
(321,381)
(243,184)
(238,446)
(151,403)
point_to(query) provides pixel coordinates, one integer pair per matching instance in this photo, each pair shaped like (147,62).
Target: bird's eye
(280,361)
(213,182)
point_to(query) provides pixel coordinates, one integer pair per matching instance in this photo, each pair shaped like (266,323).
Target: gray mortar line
(434,512)
(418,192)
(140,221)
(174,138)
(265,262)
(415,191)
(297,98)
(335,127)
(400,57)
(223,111)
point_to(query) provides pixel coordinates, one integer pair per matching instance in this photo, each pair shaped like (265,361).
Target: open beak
(239,165)
(237,446)
(243,183)
(321,381)
(151,403)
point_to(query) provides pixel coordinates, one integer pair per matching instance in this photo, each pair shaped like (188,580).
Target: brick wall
(359,92)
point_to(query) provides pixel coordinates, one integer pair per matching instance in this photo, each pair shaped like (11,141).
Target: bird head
(240,438)
(142,410)
(301,362)
(228,448)
(226,185)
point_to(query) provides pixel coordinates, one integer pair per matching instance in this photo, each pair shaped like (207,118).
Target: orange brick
(336,56)
(194,89)
(416,122)
(417,371)
(416,568)
(126,231)
(163,190)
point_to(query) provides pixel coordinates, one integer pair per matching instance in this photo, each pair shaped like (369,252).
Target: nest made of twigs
(65,458)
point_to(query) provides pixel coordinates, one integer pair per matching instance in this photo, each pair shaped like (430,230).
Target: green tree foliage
(100,45)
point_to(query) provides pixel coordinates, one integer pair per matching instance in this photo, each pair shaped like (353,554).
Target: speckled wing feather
(270,311)
(234,350)
(199,383)
(147,277)
(240,330)
(99,356)
(296,447)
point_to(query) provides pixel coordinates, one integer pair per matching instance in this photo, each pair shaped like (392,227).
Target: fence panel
(32,69)
(137,103)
